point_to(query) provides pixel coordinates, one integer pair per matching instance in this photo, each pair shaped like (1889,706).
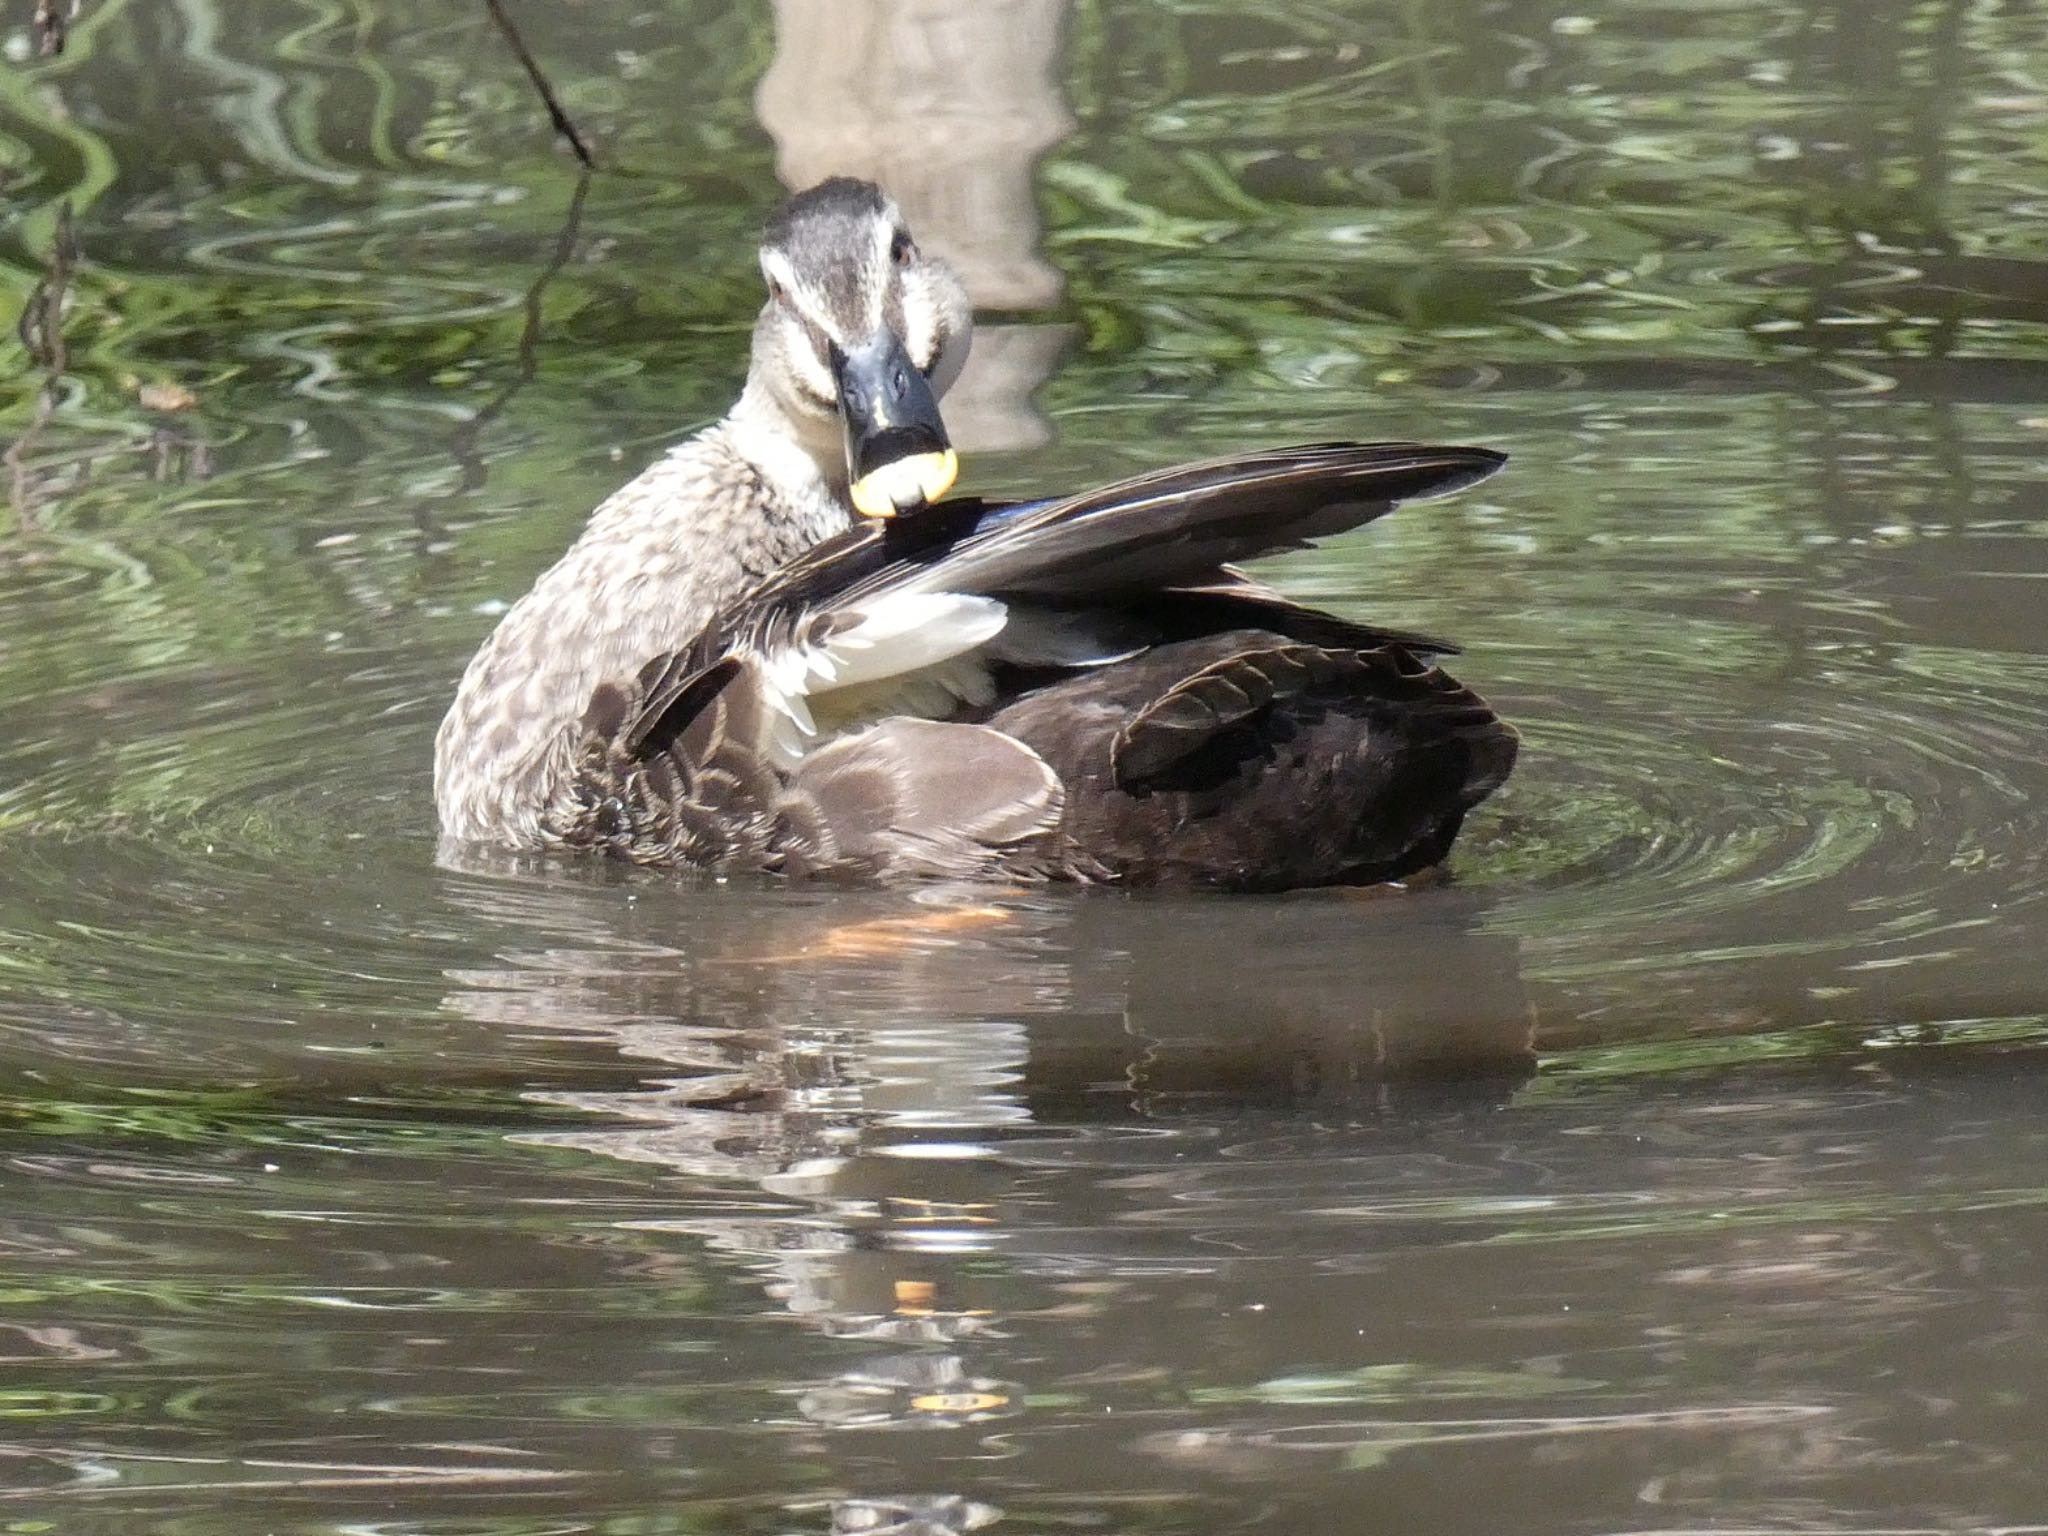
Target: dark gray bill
(897,453)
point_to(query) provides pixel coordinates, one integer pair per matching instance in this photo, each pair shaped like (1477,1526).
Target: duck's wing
(910,593)
(904,621)
(711,781)
(1183,526)
(1171,528)
(1248,760)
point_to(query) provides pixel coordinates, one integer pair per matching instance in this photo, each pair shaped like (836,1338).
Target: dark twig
(464,444)
(41,329)
(41,326)
(16,459)
(565,246)
(556,115)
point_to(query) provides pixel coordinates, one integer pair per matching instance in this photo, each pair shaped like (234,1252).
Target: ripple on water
(1875,812)
(349,1194)
(257,843)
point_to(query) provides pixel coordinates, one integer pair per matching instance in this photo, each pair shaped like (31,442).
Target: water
(1675,1164)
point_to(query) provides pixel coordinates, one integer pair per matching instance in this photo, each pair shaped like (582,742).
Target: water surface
(1673,1163)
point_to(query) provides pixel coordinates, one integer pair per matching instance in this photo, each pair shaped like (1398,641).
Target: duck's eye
(902,250)
(777,292)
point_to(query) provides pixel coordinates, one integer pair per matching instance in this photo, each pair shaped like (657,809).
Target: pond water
(1675,1163)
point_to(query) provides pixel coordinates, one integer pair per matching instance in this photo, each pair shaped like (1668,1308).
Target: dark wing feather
(1180,525)
(673,696)
(700,793)
(1241,760)
(1213,699)
(1174,527)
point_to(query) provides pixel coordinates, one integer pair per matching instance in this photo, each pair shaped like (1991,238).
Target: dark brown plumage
(1138,713)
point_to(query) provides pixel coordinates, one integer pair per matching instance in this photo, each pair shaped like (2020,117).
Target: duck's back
(1250,760)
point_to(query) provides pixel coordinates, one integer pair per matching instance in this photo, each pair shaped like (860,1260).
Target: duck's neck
(799,459)
(722,511)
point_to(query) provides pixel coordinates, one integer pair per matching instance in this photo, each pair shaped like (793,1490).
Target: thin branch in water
(41,329)
(556,115)
(464,444)
(16,459)
(41,325)
(565,246)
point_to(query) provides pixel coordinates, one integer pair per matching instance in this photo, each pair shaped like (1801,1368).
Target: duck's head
(864,330)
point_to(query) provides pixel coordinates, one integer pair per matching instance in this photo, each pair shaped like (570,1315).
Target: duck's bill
(906,484)
(898,457)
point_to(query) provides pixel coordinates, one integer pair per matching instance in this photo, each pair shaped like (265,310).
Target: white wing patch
(909,653)
(905,631)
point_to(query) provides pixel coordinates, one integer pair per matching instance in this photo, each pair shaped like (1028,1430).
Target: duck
(783,649)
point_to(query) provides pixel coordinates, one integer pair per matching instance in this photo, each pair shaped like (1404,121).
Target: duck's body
(731,670)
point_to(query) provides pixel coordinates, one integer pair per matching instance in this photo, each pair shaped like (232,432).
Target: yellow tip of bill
(911,482)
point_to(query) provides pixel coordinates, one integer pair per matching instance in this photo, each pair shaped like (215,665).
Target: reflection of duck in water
(724,672)
(986,1136)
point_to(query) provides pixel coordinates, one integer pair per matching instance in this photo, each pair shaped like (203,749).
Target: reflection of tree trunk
(948,104)
(1873,152)
(52,25)
(989,406)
